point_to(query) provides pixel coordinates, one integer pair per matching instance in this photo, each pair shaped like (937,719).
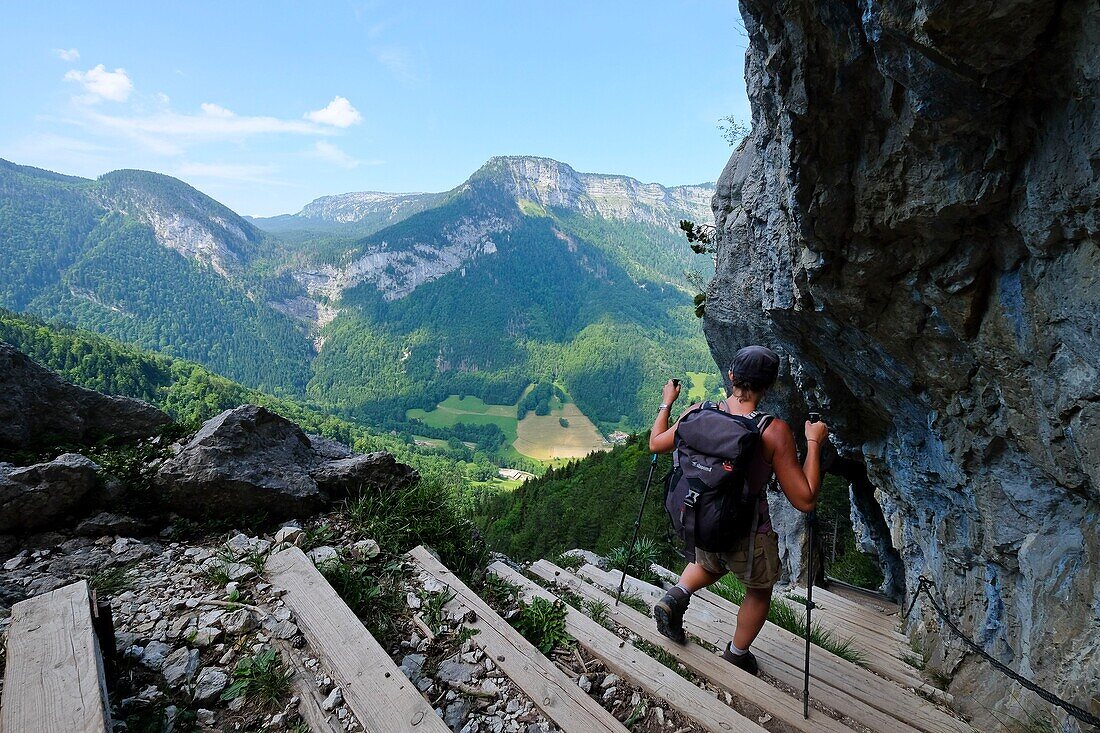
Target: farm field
(542,437)
(696,388)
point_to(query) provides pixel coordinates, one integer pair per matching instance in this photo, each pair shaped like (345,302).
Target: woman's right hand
(670,392)
(817,431)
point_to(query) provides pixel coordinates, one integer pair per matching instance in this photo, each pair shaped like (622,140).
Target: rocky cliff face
(552,184)
(182,218)
(349,208)
(399,260)
(914,222)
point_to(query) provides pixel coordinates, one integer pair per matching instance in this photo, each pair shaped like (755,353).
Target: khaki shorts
(764,570)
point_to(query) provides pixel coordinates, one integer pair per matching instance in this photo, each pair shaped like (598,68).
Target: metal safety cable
(923,586)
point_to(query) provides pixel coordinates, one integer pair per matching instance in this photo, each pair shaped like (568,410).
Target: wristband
(663,407)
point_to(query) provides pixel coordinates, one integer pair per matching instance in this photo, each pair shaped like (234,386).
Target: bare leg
(695,576)
(751,617)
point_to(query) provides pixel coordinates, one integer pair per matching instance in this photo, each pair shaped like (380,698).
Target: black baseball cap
(758,365)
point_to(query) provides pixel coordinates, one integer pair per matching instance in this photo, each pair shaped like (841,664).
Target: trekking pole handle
(815,417)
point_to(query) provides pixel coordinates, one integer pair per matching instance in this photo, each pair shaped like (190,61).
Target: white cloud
(67,54)
(327,151)
(216,110)
(338,113)
(102,84)
(207,125)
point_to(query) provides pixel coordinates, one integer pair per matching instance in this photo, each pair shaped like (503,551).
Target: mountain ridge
(593,191)
(527,272)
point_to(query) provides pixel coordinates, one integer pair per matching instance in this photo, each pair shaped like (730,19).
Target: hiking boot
(744,661)
(669,612)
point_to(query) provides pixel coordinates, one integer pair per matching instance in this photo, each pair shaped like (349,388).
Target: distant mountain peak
(553,184)
(346,208)
(182,218)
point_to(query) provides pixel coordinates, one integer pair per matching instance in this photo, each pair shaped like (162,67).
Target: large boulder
(914,223)
(342,477)
(35,496)
(38,407)
(249,460)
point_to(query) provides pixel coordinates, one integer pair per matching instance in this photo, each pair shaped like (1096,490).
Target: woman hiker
(753,371)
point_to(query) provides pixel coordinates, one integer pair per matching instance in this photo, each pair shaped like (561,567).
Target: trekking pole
(811,520)
(637,525)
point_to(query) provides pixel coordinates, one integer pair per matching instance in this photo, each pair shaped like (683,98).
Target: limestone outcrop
(39,407)
(914,223)
(248,460)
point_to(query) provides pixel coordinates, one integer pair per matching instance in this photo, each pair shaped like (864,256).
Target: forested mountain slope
(528,272)
(517,277)
(187,391)
(149,260)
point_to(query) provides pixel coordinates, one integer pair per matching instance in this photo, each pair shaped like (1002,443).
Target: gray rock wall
(38,407)
(914,222)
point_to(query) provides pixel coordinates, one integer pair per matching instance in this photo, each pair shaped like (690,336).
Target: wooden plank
(868,642)
(699,660)
(550,689)
(713,627)
(885,665)
(54,680)
(305,688)
(647,673)
(850,689)
(864,638)
(380,696)
(885,653)
(855,613)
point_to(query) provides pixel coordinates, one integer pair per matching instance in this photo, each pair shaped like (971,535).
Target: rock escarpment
(249,460)
(914,222)
(246,461)
(37,406)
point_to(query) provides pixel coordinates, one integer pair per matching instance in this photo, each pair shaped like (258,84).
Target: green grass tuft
(598,611)
(373,592)
(788,617)
(425,513)
(638,563)
(112,581)
(542,623)
(569,562)
(262,678)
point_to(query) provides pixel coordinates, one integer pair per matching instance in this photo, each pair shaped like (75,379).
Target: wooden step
(855,613)
(638,668)
(305,688)
(863,637)
(784,665)
(887,666)
(869,643)
(54,680)
(850,689)
(882,651)
(378,693)
(550,689)
(699,660)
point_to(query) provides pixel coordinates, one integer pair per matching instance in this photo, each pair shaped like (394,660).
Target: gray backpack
(708,496)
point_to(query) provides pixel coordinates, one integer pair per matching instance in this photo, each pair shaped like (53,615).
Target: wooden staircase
(58,686)
(850,691)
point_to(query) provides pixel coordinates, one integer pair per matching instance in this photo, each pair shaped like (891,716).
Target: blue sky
(266,106)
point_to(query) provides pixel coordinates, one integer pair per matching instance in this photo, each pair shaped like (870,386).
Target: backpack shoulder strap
(762,420)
